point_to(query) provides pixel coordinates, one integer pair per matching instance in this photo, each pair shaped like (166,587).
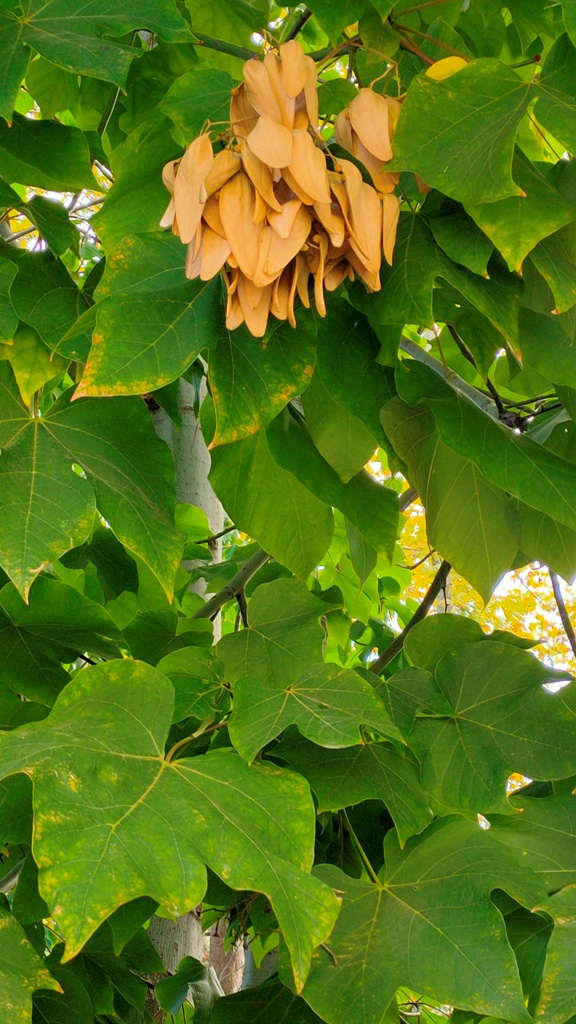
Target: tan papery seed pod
(268,211)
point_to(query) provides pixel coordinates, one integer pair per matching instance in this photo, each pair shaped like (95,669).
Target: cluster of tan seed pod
(274,208)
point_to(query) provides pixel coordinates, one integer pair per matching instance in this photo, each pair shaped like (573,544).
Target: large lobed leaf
(497,706)
(329,704)
(429,926)
(105,799)
(21,971)
(48,508)
(78,38)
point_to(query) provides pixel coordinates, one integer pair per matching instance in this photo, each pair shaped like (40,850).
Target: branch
(568,627)
(223,47)
(232,589)
(468,355)
(397,644)
(215,536)
(419,7)
(487,405)
(406,499)
(298,25)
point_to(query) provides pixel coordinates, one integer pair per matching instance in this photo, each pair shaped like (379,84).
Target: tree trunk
(184,937)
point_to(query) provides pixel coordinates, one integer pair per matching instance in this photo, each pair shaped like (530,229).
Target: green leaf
(8,316)
(171,992)
(152,635)
(409,691)
(13,65)
(196,675)
(228,21)
(268,1002)
(430,927)
(73,1003)
(335,94)
(56,626)
(518,465)
(343,421)
(138,197)
(53,88)
(144,340)
(370,771)
(469,520)
(372,508)
(334,18)
(406,296)
(150,263)
(77,39)
(129,467)
(429,640)
(283,637)
(556,105)
(251,382)
(494,728)
(543,833)
(240,814)
(21,970)
(557,999)
(327,703)
(16,804)
(45,154)
(271,505)
(459,134)
(462,241)
(197,97)
(32,362)
(45,296)
(116,570)
(46,507)
(543,538)
(554,258)
(529,934)
(53,223)
(132,474)
(517,224)
(362,555)
(546,348)
(76,343)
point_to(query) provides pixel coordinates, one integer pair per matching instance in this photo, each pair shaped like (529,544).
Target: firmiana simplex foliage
(321,792)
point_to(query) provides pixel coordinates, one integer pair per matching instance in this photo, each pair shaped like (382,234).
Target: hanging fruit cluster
(274,208)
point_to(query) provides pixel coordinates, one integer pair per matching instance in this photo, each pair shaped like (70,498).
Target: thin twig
(20,234)
(233,588)
(419,7)
(438,584)
(242,607)
(407,497)
(568,627)
(298,25)
(419,562)
(468,355)
(407,44)
(430,39)
(223,47)
(105,171)
(216,536)
(93,202)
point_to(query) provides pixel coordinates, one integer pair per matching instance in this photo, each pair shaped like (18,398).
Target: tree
(333,775)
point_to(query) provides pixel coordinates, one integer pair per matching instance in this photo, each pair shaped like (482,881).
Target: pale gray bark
(184,937)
